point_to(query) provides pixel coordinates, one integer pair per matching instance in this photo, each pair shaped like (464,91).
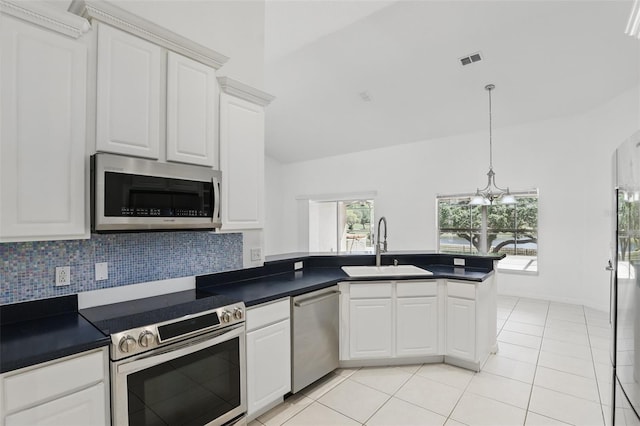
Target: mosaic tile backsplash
(27,270)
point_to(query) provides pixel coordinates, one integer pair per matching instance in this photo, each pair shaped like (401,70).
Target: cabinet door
(370,328)
(191,111)
(128,94)
(43,109)
(416,326)
(268,365)
(461,328)
(83,408)
(241,163)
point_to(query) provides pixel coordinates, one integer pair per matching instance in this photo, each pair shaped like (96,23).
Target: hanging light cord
(490,87)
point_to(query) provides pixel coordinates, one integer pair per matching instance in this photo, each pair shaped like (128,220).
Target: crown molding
(47,17)
(244,91)
(119,18)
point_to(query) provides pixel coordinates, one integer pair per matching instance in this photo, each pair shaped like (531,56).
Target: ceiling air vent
(365,96)
(474,57)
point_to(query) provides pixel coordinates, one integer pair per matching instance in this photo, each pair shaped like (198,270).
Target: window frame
(529,268)
(337,199)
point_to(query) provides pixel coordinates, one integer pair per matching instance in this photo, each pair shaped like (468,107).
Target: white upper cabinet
(128,94)
(191,111)
(242,155)
(155,91)
(43,71)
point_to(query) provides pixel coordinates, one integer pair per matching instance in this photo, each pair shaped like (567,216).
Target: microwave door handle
(216,201)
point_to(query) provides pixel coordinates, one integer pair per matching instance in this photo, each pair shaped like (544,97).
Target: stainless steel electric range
(176,359)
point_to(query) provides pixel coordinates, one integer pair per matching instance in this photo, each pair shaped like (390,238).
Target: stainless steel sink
(386,271)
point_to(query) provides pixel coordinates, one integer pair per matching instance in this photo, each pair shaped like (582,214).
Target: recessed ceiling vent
(474,57)
(365,96)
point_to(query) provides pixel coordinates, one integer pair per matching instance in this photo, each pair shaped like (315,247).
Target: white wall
(274,241)
(568,159)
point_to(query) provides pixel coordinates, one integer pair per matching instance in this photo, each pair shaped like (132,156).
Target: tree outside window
(494,229)
(342,226)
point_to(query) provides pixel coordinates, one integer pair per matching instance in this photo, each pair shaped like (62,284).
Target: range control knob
(237,313)
(127,344)
(226,316)
(146,338)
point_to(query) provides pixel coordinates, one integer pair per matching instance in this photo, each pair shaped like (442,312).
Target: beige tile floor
(552,369)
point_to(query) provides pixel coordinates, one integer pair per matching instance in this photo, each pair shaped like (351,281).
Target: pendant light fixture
(492,192)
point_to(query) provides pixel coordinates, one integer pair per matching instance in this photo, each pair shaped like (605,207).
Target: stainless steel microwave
(133,194)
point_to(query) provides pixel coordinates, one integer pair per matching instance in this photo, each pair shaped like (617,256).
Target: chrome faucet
(384,244)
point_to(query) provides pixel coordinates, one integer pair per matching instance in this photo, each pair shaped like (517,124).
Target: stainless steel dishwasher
(314,336)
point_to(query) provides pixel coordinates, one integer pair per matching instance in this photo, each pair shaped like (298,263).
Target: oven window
(191,390)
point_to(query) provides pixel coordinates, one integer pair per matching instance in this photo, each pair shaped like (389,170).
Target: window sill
(516,271)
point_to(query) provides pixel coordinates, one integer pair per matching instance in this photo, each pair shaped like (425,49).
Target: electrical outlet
(102,271)
(63,275)
(256,254)
(458,262)
(298,265)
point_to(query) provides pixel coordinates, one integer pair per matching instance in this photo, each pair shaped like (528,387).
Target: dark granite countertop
(35,332)
(260,289)
(267,288)
(43,330)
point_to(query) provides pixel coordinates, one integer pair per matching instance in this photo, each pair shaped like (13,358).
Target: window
(341,226)
(498,228)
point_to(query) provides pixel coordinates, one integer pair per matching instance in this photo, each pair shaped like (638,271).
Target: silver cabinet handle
(217,204)
(315,299)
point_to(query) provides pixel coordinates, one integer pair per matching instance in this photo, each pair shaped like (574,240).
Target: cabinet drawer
(416,288)
(370,290)
(83,408)
(268,313)
(463,290)
(39,384)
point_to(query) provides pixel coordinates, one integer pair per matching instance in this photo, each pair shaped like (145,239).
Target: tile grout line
(595,372)
(316,400)
(535,371)
(393,395)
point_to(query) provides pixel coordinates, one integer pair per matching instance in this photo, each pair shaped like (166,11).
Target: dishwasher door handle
(311,300)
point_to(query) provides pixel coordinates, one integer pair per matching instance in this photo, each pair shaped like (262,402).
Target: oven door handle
(179,350)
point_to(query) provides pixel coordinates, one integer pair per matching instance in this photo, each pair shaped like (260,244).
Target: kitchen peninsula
(448,316)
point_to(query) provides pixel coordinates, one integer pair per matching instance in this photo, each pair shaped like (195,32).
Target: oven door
(198,381)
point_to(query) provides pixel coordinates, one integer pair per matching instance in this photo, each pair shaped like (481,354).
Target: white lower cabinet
(410,321)
(417,326)
(83,408)
(388,319)
(461,328)
(268,355)
(471,322)
(70,391)
(370,328)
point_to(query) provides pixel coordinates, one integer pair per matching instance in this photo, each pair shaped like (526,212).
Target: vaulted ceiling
(547,59)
